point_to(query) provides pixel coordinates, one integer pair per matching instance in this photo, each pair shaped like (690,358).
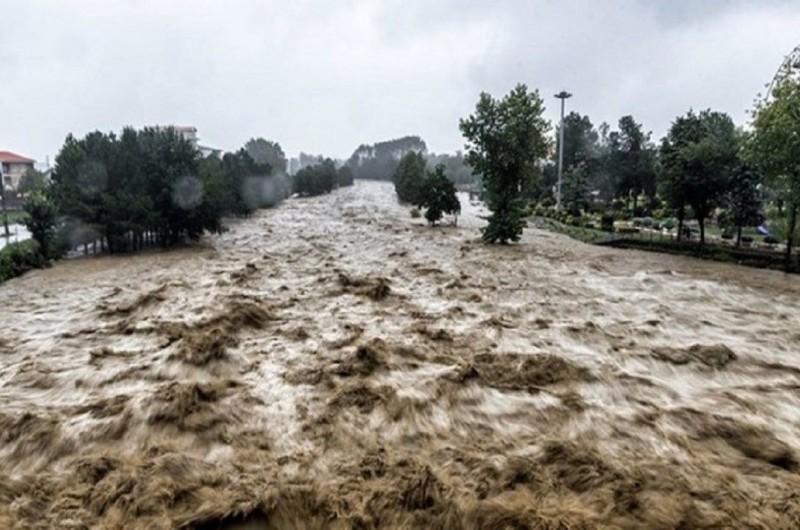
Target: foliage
(697,158)
(774,148)
(266,153)
(505,140)
(742,199)
(317,179)
(148,185)
(344,176)
(456,168)
(380,160)
(438,196)
(629,160)
(18,258)
(41,221)
(409,177)
(31,181)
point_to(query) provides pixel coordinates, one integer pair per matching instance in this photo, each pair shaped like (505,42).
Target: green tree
(30,181)
(41,221)
(409,176)
(630,160)
(742,199)
(344,176)
(698,156)
(317,179)
(266,152)
(438,195)
(505,140)
(774,147)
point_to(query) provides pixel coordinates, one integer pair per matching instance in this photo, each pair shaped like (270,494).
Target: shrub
(726,235)
(747,240)
(770,240)
(637,221)
(19,258)
(607,222)
(415,213)
(647,222)
(670,224)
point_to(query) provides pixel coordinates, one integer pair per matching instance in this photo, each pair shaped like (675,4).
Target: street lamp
(563,95)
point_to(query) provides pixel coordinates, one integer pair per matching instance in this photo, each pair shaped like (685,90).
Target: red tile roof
(7,157)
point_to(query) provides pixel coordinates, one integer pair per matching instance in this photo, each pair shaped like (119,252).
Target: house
(187,132)
(13,167)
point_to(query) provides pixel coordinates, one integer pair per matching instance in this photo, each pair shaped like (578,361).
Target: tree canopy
(409,176)
(506,138)
(774,147)
(437,195)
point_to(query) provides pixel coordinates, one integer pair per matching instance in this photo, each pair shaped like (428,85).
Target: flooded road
(333,363)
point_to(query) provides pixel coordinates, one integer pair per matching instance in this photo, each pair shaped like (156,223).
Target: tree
(41,221)
(266,152)
(742,199)
(438,195)
(630,160)
(30,181)
(697,158)
(774,147)
(317,179)
(380,160)
(344,176)
(409,177)
(505,140)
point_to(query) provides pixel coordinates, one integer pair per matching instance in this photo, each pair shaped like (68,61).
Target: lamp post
(563,95)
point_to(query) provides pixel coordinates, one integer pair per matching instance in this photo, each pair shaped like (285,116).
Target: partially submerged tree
(438,196)
(409,176)
(505,140)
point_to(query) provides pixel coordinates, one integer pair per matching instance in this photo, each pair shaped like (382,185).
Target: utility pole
(3,200)
(563,95)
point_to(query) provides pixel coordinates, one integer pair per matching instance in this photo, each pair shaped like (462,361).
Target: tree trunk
(738,236)
(681,215)
(702,222)
(790,237)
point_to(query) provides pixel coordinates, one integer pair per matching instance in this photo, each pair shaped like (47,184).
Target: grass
(659,242)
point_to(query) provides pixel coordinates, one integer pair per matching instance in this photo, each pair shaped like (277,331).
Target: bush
(726,235)
(637,221)
(607,222)
(770,240)
(670,224)
(647,222)
(415,213)
(747,240)
(19,258)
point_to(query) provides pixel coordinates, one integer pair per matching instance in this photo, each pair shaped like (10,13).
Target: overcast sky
(323,76)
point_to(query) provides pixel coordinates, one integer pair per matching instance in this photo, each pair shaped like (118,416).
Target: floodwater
(333,363)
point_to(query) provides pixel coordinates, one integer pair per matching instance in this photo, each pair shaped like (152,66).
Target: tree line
(705,165)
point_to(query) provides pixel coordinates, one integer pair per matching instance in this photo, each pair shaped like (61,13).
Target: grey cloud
(324,76)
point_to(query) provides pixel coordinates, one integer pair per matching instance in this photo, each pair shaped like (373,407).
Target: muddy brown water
(332,363)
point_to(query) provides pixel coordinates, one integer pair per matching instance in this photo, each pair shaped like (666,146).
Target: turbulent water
(333,363)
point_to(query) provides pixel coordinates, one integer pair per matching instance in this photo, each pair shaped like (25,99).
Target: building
(189,133)
(14,166)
